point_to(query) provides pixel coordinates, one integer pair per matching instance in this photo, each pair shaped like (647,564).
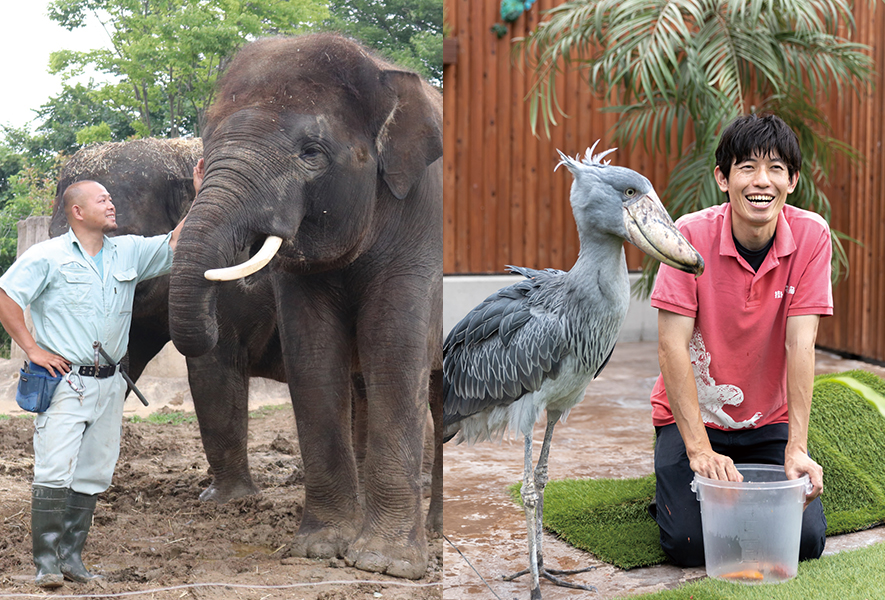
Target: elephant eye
(309,151)
(312,158)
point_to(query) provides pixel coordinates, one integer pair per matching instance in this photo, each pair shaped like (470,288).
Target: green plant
(265,411)
(165,418)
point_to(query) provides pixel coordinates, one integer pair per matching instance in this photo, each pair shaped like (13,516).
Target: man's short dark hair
(74,192)
(766,135)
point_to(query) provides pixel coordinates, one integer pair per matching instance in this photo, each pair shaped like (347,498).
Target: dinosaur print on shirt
(713,398)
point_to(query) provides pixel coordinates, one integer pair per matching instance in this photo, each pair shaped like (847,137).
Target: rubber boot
(47,525)
(77,521)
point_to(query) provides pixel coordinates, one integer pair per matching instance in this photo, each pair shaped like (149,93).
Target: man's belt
(99,351)
(100,373)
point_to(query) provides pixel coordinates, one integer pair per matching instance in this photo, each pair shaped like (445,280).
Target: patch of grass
(854,575)
(264,411)
(179,417)
(166,418)
(608,517)
(847,438)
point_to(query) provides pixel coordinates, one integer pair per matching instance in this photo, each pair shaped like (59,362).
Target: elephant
(150,181)
(324,163)
(151,184)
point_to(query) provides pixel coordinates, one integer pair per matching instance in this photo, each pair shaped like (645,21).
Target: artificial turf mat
(855,575)
(846,436)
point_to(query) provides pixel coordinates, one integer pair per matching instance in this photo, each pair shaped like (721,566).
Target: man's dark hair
(74,192)
(763,134)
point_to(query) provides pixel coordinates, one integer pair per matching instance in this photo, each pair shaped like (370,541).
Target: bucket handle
(694,487)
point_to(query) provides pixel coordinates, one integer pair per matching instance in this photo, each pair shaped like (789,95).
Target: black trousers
(677,510)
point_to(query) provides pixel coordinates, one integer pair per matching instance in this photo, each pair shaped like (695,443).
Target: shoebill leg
(535,484)
(530,506)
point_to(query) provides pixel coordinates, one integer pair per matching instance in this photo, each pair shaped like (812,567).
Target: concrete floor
(610,434)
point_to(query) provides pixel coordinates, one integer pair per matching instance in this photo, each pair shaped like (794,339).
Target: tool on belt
(35,387)
(98,350)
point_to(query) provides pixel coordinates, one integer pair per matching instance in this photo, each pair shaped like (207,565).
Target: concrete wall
(462,292)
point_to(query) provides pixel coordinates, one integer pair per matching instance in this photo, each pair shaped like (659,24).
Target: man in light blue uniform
(80,287)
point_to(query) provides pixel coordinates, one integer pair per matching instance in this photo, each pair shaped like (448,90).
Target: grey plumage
(515,340)
(488,332)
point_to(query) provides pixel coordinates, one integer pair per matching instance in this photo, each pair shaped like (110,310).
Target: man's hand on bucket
(796,464)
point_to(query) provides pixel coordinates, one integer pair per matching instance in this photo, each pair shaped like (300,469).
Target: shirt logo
(787,290)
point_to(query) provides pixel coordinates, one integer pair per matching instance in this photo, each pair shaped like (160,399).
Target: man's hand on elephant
(49,361)
(199,173)
(796,464)
(715,466)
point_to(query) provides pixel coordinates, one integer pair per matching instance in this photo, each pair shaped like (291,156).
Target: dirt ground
(152,534)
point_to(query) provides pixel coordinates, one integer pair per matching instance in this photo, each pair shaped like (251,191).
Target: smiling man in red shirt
(736,346)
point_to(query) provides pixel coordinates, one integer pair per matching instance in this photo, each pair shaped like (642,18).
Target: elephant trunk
(207,241)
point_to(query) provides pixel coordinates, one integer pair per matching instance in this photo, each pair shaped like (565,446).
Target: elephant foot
(221,493)
(434,522)
(406,558)
(326,542)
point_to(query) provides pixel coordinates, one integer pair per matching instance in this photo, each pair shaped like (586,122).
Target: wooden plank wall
(857,194)
(505,205)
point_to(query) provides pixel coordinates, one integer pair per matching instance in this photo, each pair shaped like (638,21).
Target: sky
(27,37)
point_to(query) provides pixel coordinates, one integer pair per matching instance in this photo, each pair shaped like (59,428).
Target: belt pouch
(35,388)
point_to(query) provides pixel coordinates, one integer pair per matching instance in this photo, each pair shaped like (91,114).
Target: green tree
(11,162)
(407,32)
(680,70)
(167,54)
(31,193)
(31,150)
(77,108)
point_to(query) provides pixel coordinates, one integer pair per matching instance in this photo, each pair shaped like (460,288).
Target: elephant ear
(411,136)
(180,195)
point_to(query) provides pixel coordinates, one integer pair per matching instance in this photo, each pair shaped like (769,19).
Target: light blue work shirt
(71,304)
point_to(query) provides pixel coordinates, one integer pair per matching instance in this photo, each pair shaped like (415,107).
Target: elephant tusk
(256,263)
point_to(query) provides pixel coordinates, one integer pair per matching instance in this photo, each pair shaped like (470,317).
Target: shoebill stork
(535,345)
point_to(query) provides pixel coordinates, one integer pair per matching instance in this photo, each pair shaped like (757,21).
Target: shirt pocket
(77,289)
(124,290)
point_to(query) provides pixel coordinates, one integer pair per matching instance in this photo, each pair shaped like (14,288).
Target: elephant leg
(435,513)
(221,399)
(148,343)
(360,426)
(317,345)
(393,357)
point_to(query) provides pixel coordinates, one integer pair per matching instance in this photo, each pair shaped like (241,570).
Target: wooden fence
(505,205)
(857,193)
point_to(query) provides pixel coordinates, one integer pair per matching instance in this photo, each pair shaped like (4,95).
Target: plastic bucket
(752,528)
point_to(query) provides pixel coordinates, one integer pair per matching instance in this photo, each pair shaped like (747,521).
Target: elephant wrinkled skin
(338,153)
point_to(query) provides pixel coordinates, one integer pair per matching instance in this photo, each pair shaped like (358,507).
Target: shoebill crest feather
(535,346)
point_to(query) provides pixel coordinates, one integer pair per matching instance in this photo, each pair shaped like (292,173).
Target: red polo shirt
(737,350)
